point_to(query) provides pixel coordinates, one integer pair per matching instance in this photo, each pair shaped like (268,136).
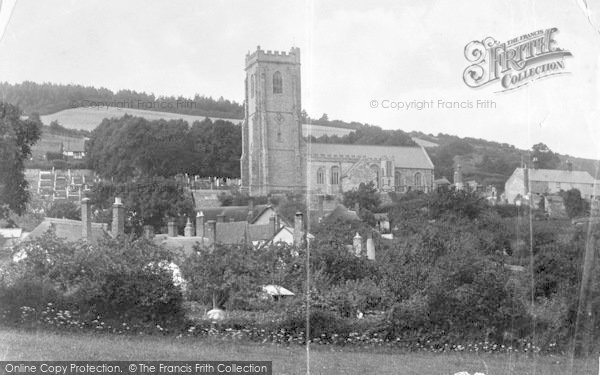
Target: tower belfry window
(277,83)
(252,79)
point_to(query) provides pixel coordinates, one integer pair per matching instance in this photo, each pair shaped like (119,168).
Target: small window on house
(388,168)
(277,83)
(320,176)
(252,87)
(335,175)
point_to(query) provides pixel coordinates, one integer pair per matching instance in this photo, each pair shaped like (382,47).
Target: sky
(354,54)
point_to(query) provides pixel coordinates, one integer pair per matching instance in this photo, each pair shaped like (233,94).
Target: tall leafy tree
(148,201)
(133,147)
(17,135)
(544,157)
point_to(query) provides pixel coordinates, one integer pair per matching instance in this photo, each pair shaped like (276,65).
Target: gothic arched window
(321,176)
(335,175)
(417,179)
(252,79)
(277,83)
(398,179)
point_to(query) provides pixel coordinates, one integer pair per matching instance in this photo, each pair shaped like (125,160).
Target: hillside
(89,118)
(47,98)
(486,161)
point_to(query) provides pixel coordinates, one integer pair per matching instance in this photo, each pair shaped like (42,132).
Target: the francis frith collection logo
(514,63)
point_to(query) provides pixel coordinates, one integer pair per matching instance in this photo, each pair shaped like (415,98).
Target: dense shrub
(118,281)
(323,323)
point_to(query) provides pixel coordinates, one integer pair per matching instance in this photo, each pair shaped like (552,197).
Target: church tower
(273,159)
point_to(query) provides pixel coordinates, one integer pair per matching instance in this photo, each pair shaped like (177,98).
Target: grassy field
(87,118)
(26,345)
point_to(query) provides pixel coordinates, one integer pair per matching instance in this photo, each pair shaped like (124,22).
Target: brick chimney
(200,224)
(298,229)
(171,229)
(357,244)
(188,231)
(86,219)
(211,231)
(250,209)
(148,231)
(273,224)
(118,221)
(251,204)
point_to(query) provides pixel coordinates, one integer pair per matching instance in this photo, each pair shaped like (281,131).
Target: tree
(544,157)
(147,201)
(17,136)
(224,275)
(66,209)
(133,147)
(574,204)
(367,198)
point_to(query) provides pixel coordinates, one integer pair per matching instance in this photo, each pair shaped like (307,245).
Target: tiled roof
(231,233)
(186,244)
(556,175)
(67,229)
(238,213)
(403,157)
(228,233)
(260,232)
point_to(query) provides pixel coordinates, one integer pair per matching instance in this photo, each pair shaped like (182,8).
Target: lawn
(41,345)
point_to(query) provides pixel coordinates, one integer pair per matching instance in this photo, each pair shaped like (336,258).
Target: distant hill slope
(486,161)
(47,98)
(90,118)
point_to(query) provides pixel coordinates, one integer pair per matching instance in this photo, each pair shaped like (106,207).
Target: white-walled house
(548,182)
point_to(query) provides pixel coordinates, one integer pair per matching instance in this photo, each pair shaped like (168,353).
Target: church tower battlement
(273,152)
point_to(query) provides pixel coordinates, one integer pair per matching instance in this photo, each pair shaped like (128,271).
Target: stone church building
(276,158)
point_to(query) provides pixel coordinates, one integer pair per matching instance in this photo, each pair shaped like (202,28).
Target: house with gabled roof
(548,182)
